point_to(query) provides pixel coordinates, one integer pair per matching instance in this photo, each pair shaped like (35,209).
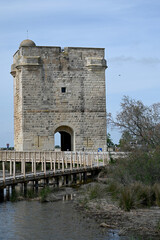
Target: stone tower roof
(27,43)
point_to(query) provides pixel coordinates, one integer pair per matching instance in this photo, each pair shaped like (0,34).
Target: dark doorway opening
(65,141)
(64,138)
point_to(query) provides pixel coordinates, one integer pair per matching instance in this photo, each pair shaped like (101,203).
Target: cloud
(145,60)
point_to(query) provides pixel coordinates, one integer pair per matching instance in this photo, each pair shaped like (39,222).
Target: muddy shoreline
(143,223)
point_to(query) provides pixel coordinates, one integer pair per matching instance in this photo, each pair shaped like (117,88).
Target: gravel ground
(139,223)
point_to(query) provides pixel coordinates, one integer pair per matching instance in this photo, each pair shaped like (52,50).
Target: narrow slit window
(63,89)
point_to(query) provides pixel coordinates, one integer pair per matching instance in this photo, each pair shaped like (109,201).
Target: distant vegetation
(135,181)
(10,148)
(140,125)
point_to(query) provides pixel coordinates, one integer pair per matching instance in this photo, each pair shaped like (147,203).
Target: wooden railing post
(54,164)
(84,160)
(24,165)
(97,159)
(14,166)
(80,159)
(103,159)
(10,167)
(77,161)
(74,156)
(59,162)
(87,162)
(71,162)
(35,164)
(62,164)
(4,173)
(51,166)
(1,156)
(44,163)
(92,156)
(6,157)
(65,160)
(21,161)
(32,165)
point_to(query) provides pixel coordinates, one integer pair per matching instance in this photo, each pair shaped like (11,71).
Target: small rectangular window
(63,89)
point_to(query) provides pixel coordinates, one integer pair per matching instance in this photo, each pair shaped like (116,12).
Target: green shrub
(44,194)
(144,194)
(136,195)
(138,166)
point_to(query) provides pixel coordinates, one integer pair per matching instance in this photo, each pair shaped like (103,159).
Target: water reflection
(58,220)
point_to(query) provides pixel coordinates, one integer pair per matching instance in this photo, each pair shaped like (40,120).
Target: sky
(128,30)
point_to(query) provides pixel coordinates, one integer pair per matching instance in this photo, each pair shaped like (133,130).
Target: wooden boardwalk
(23,167)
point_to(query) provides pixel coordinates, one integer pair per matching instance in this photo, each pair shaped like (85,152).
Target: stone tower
(59,90)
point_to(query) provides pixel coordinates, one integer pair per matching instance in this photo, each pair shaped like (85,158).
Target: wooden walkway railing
(14,163)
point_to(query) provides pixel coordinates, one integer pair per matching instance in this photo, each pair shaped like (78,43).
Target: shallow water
(27,220)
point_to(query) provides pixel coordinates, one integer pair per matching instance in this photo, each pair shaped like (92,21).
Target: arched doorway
(66,138)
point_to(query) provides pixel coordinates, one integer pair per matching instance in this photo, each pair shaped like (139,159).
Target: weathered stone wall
(41,107)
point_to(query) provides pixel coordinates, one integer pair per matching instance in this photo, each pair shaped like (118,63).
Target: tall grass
(134,181)
(95,192)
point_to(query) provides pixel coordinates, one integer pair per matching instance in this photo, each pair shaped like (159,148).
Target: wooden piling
(66,179)
(1,194)
(25,189)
